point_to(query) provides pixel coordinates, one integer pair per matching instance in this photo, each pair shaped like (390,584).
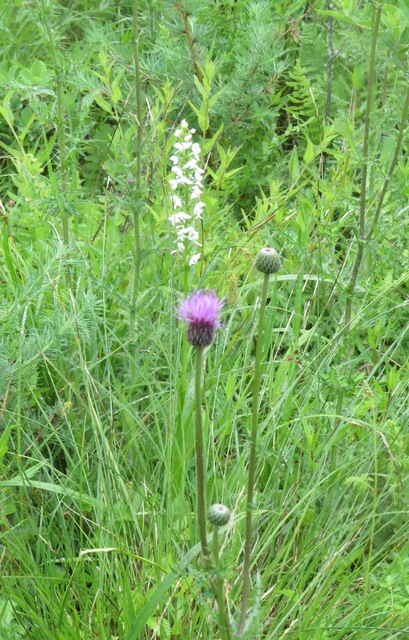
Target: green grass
(98,527)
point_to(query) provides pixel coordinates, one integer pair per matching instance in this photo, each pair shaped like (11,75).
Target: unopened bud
(268,261)
(218,515)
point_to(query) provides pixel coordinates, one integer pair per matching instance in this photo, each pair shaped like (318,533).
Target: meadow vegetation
(300,110)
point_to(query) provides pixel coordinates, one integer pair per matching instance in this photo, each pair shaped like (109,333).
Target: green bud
(218,515)
(268,261)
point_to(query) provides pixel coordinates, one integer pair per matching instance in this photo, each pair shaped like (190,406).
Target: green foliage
(97,501)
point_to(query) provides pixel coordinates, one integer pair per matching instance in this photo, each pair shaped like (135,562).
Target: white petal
(178,217)
(191,164)
(177,181)
(182,146)
(176,201)
(198,208)
(196,149)
(196,192)
(194,259)
(188,232)
(177,171)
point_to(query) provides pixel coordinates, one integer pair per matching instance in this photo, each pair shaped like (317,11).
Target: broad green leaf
(294,165)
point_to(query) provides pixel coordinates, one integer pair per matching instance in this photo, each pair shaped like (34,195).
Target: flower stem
(137,205)
(252,462)
(200,466)
(219,587)
(365,161)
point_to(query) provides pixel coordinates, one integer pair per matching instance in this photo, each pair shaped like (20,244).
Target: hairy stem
(329,81)
(225,630)
(329,66)
(362,203)
(402,127)
(137,204)
(252,461)
(200,465)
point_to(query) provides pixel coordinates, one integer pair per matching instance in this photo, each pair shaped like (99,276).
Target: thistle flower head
(268,261)
(218,515)
(201,311)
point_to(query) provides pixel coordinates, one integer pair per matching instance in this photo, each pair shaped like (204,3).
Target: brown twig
(190,40)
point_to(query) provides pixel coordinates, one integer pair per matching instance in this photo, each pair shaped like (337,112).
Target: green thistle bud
(268,261)
(218,515)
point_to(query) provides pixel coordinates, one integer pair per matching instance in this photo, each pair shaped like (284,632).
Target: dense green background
(97,477)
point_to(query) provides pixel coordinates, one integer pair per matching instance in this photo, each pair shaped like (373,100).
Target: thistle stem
(252,462)
(137,205)
(200,466)
(365,160)
(219,587)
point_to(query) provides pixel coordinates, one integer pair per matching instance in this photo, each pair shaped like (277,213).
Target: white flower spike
(187,186)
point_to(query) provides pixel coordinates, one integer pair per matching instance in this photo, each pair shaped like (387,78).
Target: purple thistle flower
(201,311)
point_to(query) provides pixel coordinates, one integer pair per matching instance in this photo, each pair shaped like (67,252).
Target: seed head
(218,515)
(268,261)
(201,311)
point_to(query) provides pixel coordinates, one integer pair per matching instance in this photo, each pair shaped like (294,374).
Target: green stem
(402,127)
(181,441)
(362,202)
(137,203)
(374,514)
(225,630)
(183,377)
(216,582)
(6,248)
(60,124)
(252,462)
(200,466)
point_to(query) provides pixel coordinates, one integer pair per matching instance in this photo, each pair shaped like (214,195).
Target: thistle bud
(200,335)
(268,261)
(218,515)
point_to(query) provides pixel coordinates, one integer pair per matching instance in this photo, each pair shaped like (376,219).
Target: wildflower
(201,311)
(187,187)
